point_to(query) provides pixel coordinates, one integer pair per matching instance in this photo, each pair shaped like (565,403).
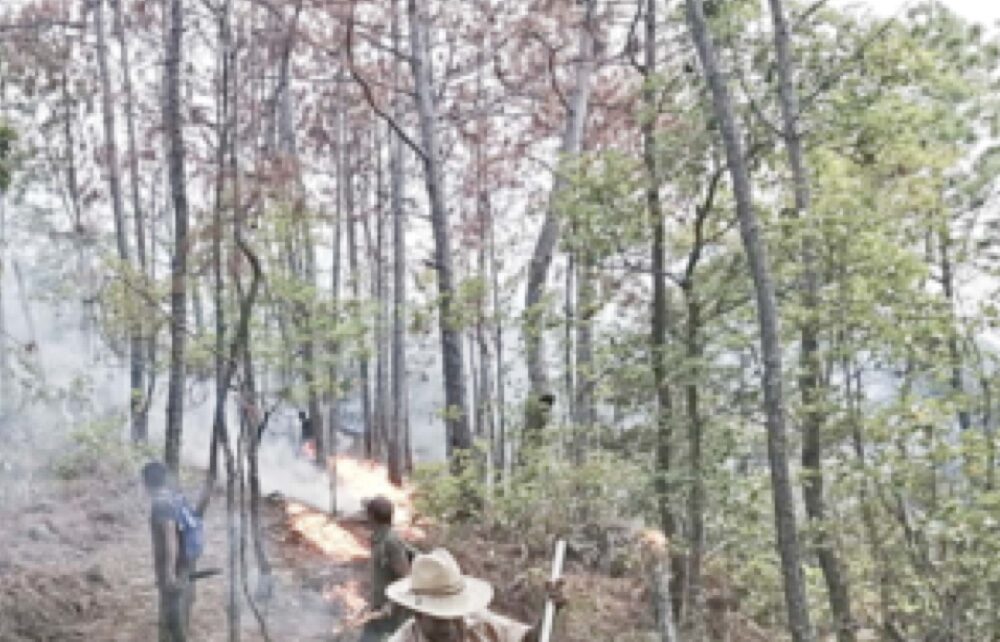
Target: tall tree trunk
(540,399)
(178,267)
(381,298)
(364,383)
(249,384)
(138,348)
(135,394)
(110,136)
(497,316)
(456,416)
(569,321)
(333,348)
(810,378)
(220,428)
(397,417)
(585,415)
(695,598)
(301,235)
(73,189)
(310,348)
(767,315)
(485,411)
(660,320)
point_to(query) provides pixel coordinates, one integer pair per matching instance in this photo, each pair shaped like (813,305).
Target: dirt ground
(75,565)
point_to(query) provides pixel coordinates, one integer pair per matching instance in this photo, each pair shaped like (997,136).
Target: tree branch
(370,98)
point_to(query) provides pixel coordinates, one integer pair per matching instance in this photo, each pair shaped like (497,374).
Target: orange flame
(356,479)
(361,479)
(335,541)
(309,450)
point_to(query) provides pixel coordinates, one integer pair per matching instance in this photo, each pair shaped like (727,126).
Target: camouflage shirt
(389,562)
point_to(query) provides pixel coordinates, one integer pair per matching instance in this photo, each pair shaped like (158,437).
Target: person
(171,570)
(389,562)
(306,444)
(448,606)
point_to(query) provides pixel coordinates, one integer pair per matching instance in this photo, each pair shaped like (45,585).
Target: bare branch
(369,96)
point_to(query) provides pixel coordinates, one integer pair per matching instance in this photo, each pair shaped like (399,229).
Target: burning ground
(75,565)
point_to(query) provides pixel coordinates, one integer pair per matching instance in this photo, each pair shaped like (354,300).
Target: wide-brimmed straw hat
(437,587)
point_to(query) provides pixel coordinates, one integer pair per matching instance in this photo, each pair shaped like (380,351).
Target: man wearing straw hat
(448,606)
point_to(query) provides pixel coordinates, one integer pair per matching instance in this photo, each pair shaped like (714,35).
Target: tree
(172,121)
(810,377)
(541,397)
(398,415)
(767,316)
(456,416)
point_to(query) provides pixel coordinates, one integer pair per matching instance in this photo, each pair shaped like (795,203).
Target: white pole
(550,608)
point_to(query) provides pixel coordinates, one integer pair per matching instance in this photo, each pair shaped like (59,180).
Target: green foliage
(546,495)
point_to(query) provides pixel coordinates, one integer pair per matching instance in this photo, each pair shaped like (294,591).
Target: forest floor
(75,565)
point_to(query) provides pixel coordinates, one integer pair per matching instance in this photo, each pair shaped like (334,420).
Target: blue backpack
(191,527)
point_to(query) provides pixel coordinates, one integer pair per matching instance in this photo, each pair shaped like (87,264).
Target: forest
(705,289)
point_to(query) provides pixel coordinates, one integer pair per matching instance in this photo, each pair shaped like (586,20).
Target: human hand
(555,591)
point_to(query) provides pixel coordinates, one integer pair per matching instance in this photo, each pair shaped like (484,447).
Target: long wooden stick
(550,608)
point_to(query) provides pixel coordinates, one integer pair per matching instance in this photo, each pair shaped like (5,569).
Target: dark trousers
(175,612)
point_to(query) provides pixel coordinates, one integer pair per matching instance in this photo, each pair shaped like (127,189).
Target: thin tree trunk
(73,189)
(397,417)
(178,271)
(569,320)
(136,391)
(767,314)
(540,399)
(397,421)
(456,416)
(382,409)
(249,381)
(660,320)
(333,348)
(302,232)
(138,349)
(364,383)
(110,137)
(221,367)
(584,409)
(695,598)
(501,445)
(310,348)
(485,407)
(810,379)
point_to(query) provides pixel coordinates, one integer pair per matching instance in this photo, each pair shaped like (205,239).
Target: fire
(359,479)
(335,541)
(356,479)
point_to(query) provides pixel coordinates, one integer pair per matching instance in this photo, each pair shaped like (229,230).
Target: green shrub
(545,495)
